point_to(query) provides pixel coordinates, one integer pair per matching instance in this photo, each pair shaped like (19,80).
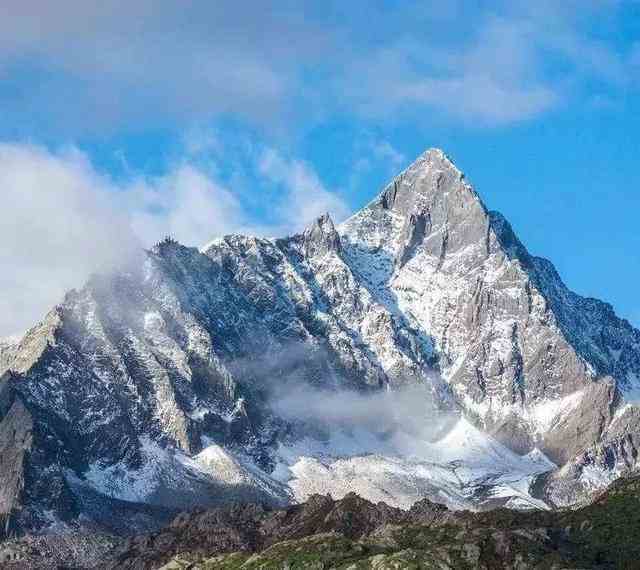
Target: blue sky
(120,123)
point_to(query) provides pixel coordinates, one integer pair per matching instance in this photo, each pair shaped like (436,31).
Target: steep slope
(534,363)
(156,385)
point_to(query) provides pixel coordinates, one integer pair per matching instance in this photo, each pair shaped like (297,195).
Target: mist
(399,419)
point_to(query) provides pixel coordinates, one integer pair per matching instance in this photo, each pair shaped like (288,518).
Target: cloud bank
(58,224)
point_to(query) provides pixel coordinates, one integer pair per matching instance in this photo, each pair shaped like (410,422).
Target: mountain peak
(428,205)
(435,158)
(434,154)
(431,179)
(322,223)
(321,236)
(139,391)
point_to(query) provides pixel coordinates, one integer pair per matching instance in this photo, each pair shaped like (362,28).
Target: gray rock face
(123,386)
(15,445)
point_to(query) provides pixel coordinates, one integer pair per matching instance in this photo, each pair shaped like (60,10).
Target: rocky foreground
(353,533)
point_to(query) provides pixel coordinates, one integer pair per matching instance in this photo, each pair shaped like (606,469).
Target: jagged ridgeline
(152,388)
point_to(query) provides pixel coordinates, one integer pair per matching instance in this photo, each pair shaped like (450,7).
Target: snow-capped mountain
(157,387)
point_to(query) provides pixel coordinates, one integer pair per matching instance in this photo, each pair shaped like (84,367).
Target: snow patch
(545,415)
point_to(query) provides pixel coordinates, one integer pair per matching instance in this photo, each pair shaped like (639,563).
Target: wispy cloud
(492,75)
(306,196)
(94,65)
(76,65)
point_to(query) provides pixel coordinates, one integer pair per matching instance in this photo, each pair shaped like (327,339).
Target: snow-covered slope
(161,383)
(465,469)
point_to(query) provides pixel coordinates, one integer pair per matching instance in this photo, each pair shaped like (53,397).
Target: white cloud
(186,204)
(479,97)
(306,198)
(98,65)
(508,62)
(491,76)
(62,220)
(57,224)
(102,64)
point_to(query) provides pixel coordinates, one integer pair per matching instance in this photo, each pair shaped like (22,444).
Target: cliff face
(155,385)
